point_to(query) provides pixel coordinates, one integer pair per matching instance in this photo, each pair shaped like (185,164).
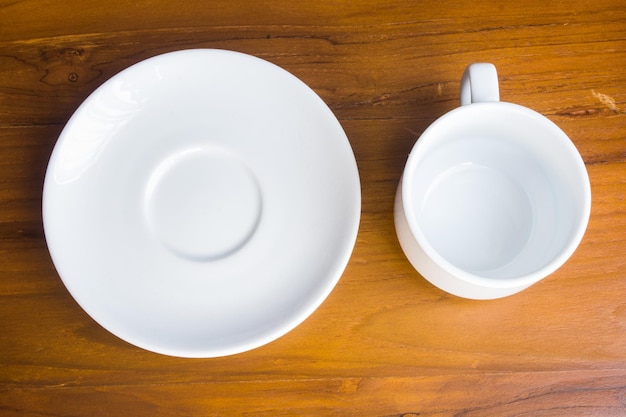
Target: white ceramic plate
(201,203)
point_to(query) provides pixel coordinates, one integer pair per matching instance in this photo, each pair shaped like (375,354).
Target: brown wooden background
(385,343)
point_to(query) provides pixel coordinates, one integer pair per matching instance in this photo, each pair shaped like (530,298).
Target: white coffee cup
(494,196)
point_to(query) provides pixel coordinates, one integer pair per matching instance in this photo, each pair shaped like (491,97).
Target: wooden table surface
(385,342)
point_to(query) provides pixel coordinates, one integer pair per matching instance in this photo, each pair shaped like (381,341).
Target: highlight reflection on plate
(201,203)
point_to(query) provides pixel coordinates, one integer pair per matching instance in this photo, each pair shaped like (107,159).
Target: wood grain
(385,342)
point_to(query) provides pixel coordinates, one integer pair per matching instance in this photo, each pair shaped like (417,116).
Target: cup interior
(496,190)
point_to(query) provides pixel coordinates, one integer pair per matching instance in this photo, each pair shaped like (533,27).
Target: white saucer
(201,203)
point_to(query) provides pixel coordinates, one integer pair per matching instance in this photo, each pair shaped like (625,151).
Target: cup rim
(488,282)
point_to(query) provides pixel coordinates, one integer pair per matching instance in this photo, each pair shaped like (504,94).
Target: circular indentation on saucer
(203,204)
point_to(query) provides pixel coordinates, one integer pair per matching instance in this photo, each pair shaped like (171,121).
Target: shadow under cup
(494,195)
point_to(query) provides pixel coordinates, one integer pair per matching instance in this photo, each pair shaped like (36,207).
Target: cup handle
(479,84)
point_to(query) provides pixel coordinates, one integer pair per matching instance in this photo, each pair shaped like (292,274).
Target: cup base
(476,217)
